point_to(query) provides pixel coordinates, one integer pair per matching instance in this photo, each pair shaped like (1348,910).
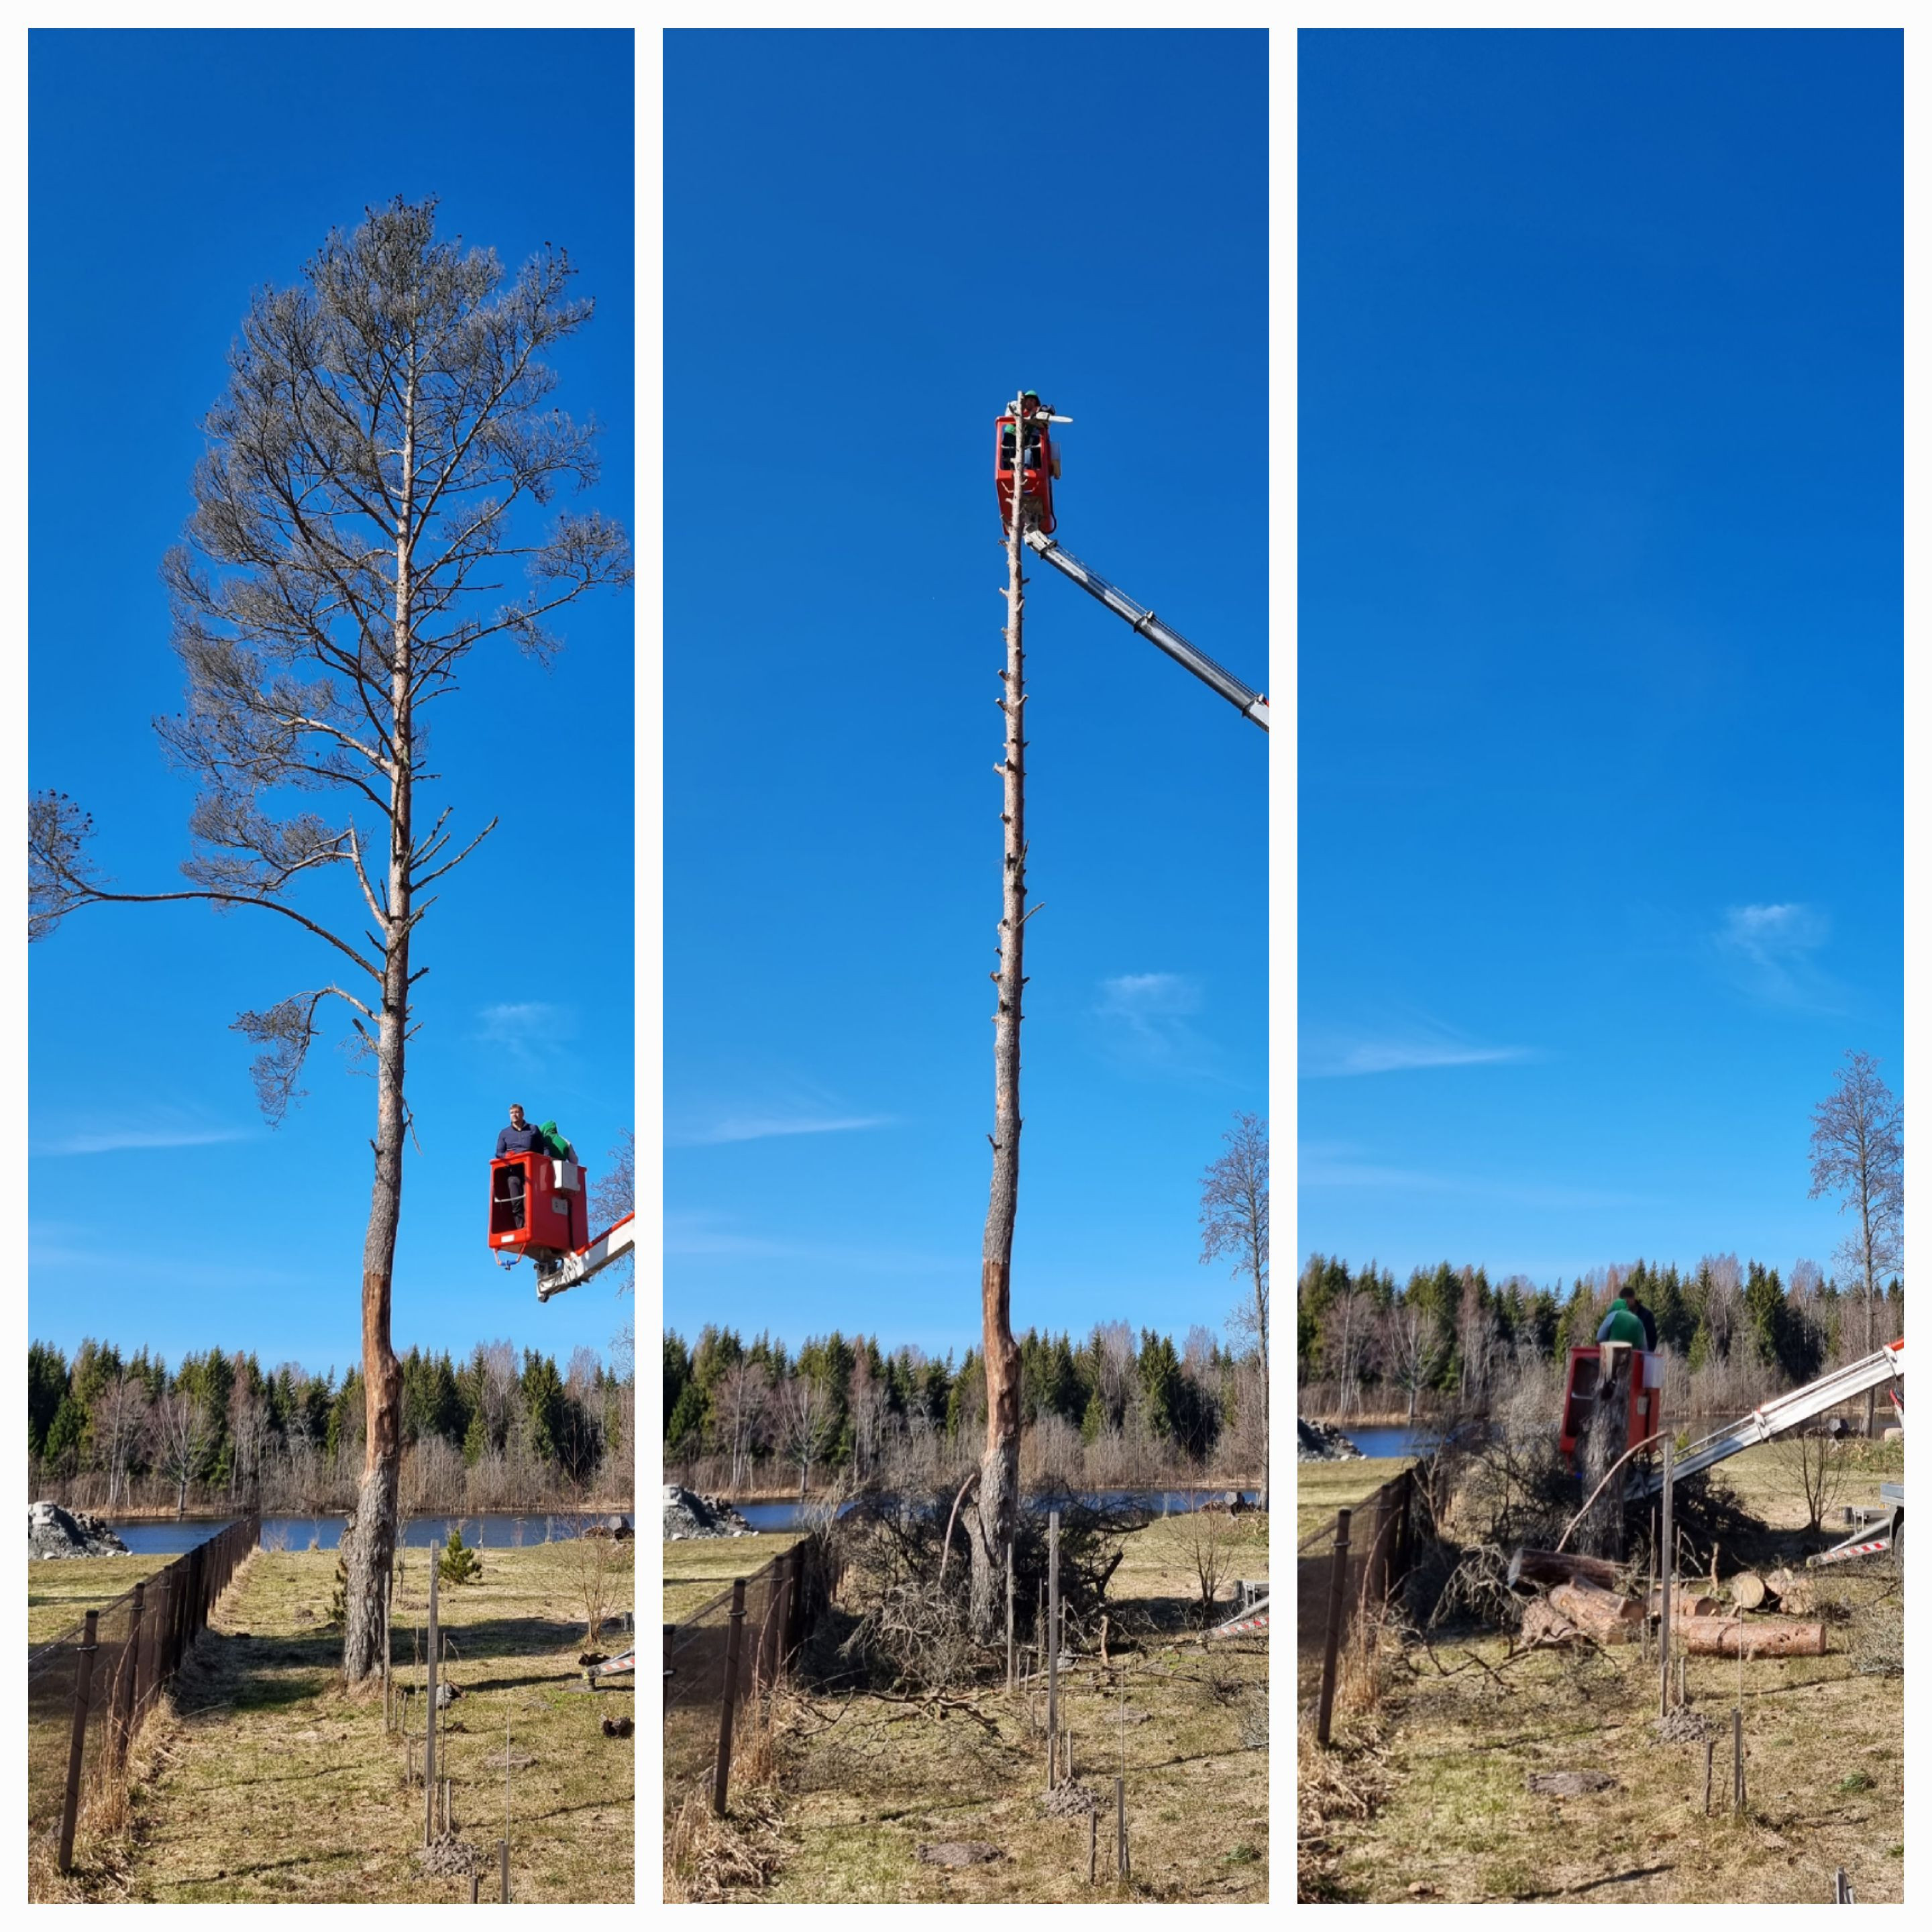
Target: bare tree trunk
(372,1536)
(998,1499)
(1257,1261)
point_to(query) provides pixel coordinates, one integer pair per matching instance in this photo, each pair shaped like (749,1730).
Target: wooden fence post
(1009,1616)
(123,1679)
(1663,1619)
(1338,1595)
(721,1788)
(1052,1642)
(83,1678)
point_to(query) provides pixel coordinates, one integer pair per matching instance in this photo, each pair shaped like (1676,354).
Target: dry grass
(696,1570)
(1425,1796)
(263,1781)
(861,1781)
(62,1591)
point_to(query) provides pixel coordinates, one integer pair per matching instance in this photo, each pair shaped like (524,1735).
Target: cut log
(1797,1596)
(1542,1626)
(1725,1637)
(1747,1590)
(1601,1614)
(1682,1604)
(1552,1566)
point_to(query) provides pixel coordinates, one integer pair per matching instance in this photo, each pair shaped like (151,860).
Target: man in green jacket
(1622,1325)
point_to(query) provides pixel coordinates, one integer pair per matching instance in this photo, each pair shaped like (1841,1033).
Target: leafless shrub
(1813,1468)
(599,1568)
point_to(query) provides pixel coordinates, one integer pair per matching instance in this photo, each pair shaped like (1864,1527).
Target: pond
(1400,1441)
(770,1516)
(495,1531)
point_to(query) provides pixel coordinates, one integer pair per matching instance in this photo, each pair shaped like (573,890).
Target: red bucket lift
(1585,1377)
(1038,460)
(554,1230)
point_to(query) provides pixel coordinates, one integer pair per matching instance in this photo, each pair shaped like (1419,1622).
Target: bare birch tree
(1235,1221)
(121,1418)
(1858,1153)
(180,1440)
(386,425)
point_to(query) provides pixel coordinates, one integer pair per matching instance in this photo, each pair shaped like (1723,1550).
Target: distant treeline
(1363,1344)
(1110,1409)
(112,1431)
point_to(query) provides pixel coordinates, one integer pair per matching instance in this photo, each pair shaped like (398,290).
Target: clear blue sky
(1600,636)
(860,267)
(171,175)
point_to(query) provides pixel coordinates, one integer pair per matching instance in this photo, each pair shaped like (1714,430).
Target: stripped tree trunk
(999,1468)
(373,1541)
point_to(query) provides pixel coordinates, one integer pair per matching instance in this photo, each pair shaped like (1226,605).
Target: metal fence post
(76,1748)
(1338,1598)
(721,1788)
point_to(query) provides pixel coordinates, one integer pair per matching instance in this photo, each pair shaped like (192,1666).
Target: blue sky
(1600,644)
(859,268)
(171,175)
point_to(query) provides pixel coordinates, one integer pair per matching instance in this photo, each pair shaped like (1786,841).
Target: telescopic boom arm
(1783,1412)
(1249,704)
(612,1245)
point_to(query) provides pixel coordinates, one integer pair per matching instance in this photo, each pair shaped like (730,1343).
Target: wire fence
(89,1688)
(1346,1571)
(727,1653)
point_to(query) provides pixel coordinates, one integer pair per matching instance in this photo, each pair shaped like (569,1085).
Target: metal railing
(89,1688)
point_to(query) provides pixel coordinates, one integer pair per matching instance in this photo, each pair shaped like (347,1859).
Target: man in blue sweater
(519,1137)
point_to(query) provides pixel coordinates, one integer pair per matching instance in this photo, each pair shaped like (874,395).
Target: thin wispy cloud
(699,1235)
(1768,952)
(1144,1023)
(519,1022)
(138,1133)
(526,1034)
(1340,1054)
(726,1128)
(1322,1167)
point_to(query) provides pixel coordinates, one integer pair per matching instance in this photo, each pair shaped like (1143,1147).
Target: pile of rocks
(54,1531)
(1317,1442)
(687,1514)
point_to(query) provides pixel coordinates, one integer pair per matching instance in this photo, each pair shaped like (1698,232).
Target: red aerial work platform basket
(555,1211)
(1040,464)
(1585,1377)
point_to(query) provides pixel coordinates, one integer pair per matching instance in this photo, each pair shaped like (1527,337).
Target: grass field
(1322,1488)
(262,1781)
(858,1782)
(1440,1764)
(696,1570)
(61,1591)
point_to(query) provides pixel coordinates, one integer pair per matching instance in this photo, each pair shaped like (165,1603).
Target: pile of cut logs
(1583,1596)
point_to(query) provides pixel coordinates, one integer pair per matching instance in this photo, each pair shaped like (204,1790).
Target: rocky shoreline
(53,1532)
(1320,1442)
(688,1515)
